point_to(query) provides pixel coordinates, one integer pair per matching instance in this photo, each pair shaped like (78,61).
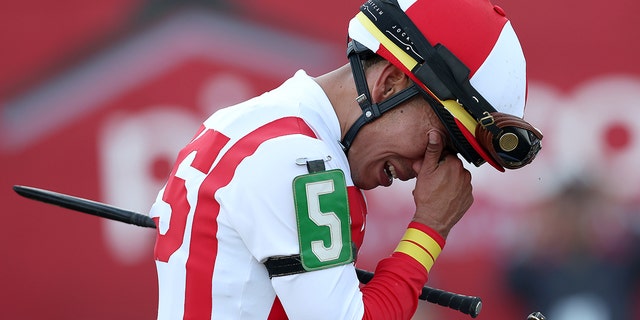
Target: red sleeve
(394,290)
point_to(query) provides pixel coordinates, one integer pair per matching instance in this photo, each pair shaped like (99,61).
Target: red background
(73,72)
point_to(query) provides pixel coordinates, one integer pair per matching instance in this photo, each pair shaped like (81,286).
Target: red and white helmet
(466,60)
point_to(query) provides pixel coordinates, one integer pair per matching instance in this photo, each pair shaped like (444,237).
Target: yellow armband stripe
(416,252)
(424,240)
(420,246)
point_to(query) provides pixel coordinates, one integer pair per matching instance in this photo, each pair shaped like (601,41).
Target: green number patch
(322,211)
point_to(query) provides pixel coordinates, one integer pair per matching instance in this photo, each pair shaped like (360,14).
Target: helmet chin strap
(370,111)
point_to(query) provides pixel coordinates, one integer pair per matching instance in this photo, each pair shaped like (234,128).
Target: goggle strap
(460,142)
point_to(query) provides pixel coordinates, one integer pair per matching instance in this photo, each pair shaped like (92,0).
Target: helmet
(465,59)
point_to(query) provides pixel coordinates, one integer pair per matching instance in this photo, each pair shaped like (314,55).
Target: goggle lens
(515,146)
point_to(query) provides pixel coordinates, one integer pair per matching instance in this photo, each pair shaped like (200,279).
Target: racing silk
(228,206)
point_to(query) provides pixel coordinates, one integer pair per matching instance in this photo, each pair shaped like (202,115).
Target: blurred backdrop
(96,97)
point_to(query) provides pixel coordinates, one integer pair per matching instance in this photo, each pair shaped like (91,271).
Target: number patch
(322,212)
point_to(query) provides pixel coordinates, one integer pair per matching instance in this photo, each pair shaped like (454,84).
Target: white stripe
(359,33)
(240,286)
(173,279)
(501,79)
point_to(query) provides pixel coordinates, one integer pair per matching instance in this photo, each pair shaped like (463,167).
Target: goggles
(479,132)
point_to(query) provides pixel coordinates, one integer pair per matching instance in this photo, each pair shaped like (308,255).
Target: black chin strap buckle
(371,112)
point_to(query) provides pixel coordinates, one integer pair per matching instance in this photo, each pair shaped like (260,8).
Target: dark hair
(371,60)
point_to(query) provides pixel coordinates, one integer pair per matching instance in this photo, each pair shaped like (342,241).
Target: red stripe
(204,246)
(207,148)
(469,30)
(277,311)
(358,213)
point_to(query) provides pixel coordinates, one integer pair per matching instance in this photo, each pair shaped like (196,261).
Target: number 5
(322,211)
